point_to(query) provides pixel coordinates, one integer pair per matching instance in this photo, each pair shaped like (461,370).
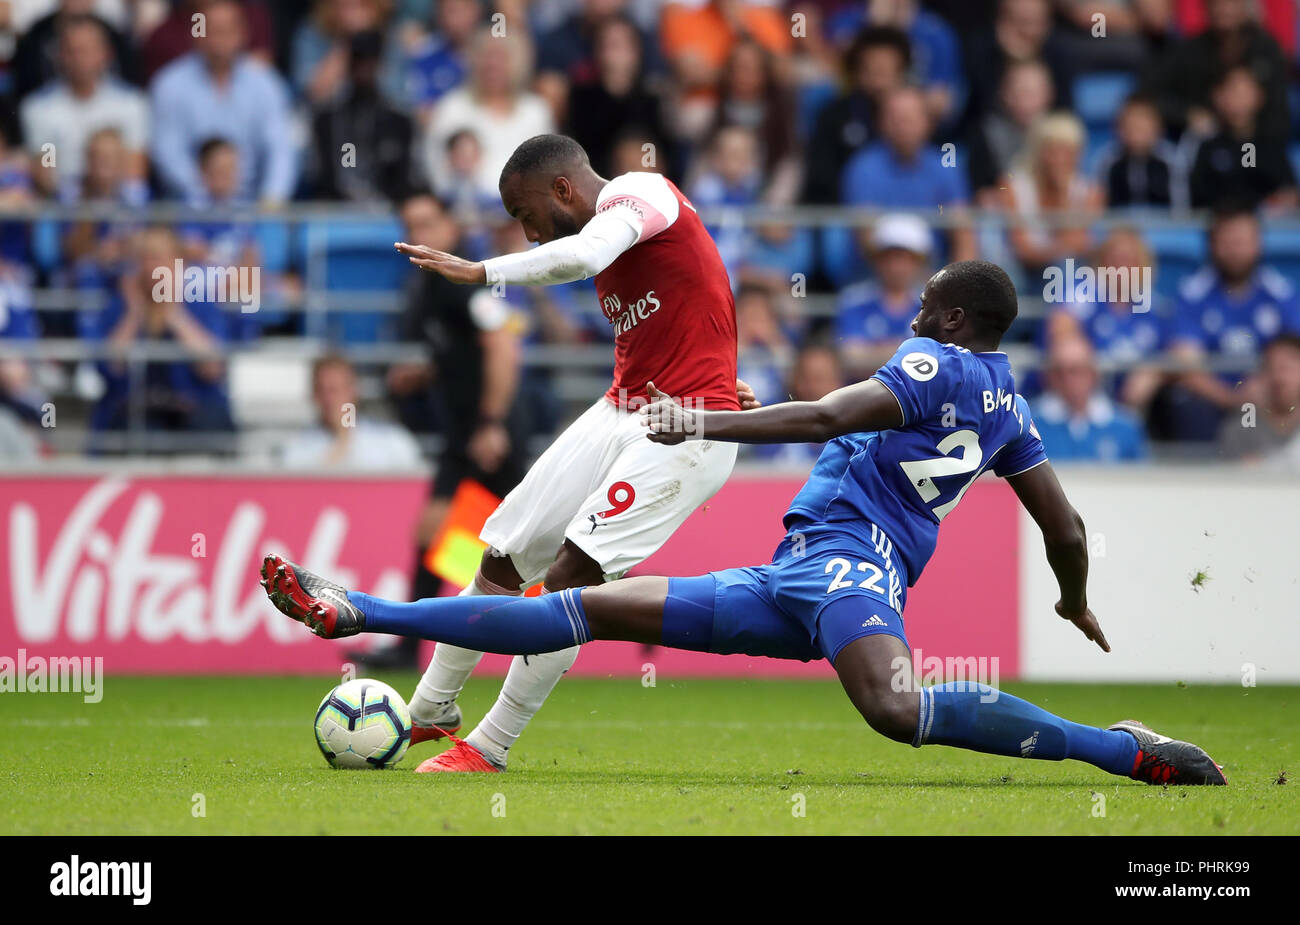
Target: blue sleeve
(1185,325)
(1024,452)
(923,376)
(171,153)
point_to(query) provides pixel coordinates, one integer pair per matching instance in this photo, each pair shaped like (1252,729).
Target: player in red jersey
(602,495)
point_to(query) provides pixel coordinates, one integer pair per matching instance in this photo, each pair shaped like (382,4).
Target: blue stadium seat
(1282,251)
(1098,96)
(1178,252)
(47,245)
(841,260)
(353,257)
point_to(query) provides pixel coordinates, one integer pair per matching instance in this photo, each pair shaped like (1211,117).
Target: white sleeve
(564,260)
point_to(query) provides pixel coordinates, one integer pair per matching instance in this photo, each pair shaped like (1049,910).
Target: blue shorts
(824,588)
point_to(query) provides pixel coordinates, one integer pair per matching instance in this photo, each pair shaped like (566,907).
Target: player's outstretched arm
(864,406)
(455,269)
(1066,544)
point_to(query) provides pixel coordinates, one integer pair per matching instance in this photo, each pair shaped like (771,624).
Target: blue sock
(975,716)
(508,625)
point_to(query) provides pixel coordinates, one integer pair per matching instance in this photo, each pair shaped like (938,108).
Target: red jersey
(669,300)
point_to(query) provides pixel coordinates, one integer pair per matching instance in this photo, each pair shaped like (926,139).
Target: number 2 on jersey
(922,472)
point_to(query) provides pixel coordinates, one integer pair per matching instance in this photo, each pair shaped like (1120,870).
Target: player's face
(538,210)
(929,320)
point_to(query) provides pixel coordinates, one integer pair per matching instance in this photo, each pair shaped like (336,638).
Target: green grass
(609,756)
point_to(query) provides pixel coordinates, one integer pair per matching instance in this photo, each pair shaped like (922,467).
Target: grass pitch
(213,756)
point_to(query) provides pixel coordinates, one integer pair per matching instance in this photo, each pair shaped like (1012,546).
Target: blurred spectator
(936,62)
(874,317)
(1123,333)
(567,54)
(752,95)
(729,174)
(323,51)
(1182,78)
(698,36)
(815,373)
(162,394)
(999,135)
(38,58)
(902,171)
(83,100)
(1269,426)
(775,252)
(495,104)
(366,126)
(1078,422)
(15,171)
(875,64)
(174,36)
(219,241)
(342,439)
(21,399)
(1225,312)
(468,202)
(633,149)
(615,100)
(1224,168)
(1138,168)
(438,64)
(219,91)
(763,349)
(1132,28)
(106,181)
(1021,31)
(1048,199)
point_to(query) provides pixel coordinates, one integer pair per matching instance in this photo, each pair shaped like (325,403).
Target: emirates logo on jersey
(625,317)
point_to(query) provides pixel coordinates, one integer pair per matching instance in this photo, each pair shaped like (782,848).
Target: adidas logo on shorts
(874,621)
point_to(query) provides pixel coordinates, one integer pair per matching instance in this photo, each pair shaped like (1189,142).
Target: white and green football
(363,723)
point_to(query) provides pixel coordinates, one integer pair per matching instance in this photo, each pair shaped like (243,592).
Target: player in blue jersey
(904,446)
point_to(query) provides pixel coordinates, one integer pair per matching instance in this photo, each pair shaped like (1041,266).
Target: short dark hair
(210,146)
(550,154)
(984,290)
(877,37)
(1287,339)
(1230,208)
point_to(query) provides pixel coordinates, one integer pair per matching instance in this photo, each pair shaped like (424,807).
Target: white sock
(449,668)
(529,682)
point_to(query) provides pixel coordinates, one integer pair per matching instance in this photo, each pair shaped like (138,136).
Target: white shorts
(609,490)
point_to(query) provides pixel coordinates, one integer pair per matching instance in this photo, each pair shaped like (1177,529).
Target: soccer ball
(363,724)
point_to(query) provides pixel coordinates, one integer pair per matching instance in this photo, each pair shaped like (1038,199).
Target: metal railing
(576,371)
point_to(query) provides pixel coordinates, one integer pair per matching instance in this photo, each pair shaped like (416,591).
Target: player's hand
(456,269)
(1086,623)
(745,395)
(668,421)
(488,446)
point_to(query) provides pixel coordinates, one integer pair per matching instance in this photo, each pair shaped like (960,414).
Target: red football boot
(461,757)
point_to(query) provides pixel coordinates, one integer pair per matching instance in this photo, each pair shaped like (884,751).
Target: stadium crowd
(1154,136)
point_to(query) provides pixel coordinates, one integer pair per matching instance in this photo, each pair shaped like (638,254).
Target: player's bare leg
(876,672)
(528,683)
(434,712)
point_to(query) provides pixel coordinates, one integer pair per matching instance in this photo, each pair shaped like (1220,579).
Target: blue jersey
(961,416)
